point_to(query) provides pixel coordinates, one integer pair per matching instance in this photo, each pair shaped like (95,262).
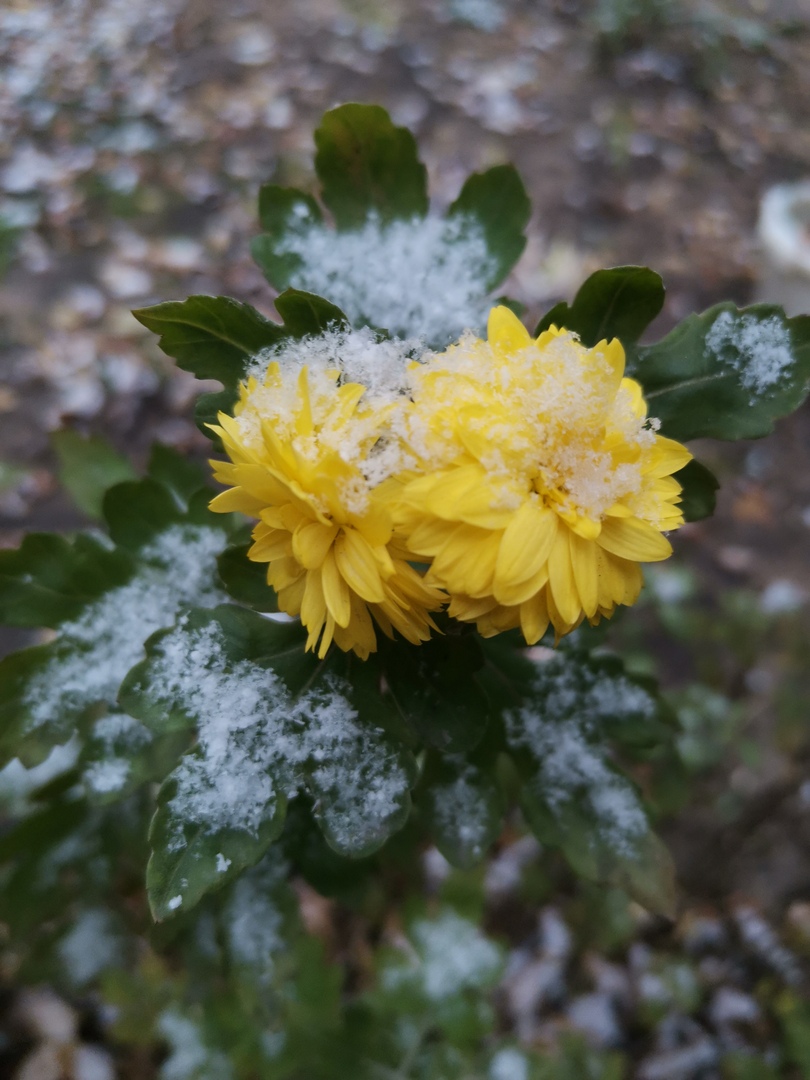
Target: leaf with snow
(49,691)
(728,373)
(365,164)
(464,806)
(572,795)
(139,511)
(119,754)
(189,859)
(388,263)
(271,719)
(619,302)
(282,210)
(448,964)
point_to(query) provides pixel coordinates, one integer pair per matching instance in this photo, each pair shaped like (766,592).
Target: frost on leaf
(449,955)
(90,946)
(189,1057)
(424,278)
(94,652)
(759,350)
(572,795)
(259,744)
(561,730)
(254,917)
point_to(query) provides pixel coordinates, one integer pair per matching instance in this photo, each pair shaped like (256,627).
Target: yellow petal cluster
(296,449)
(524,473)
(542,484)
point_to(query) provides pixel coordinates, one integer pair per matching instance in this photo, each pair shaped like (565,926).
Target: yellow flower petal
(311,541)
(526,544)
(358,566)
(630,538)
(586,577)
(561,583)
(505,329)
(335,591)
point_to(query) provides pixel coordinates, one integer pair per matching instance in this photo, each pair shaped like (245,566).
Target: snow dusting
(453,955)
(759,350)
(560,727)
(460,810)
(113,740)
(427,277)
(254,922)
(90,946)
(509,1064)
(94,652)
(256,742)
(190,1058)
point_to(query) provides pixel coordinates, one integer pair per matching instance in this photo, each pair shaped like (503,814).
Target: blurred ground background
(134,136)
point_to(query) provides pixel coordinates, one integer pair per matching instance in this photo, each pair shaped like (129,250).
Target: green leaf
(464,806)
(435,688)
(88,467)
(137,510)
(617,303)
(728,373)
(49,579)
(794,1016)
(367,165)
(181,476)
(211,336)
(245,580)
(497,199)
(700,487)
(281,211)
(306,314)
(188,861)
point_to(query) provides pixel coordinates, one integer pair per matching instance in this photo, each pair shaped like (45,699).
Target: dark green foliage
(366,164)
(497,199)
(50,579)
(616,303)
(699,491)
(88,467)
(245,580)
(213,337)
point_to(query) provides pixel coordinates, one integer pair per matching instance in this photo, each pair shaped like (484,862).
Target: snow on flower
(307,457)
(542,482)
(525,473)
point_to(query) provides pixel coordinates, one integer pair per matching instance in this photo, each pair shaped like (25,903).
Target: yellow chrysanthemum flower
(543,484)
(301,449)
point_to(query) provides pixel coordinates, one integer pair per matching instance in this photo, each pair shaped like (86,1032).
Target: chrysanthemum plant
(378,622)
